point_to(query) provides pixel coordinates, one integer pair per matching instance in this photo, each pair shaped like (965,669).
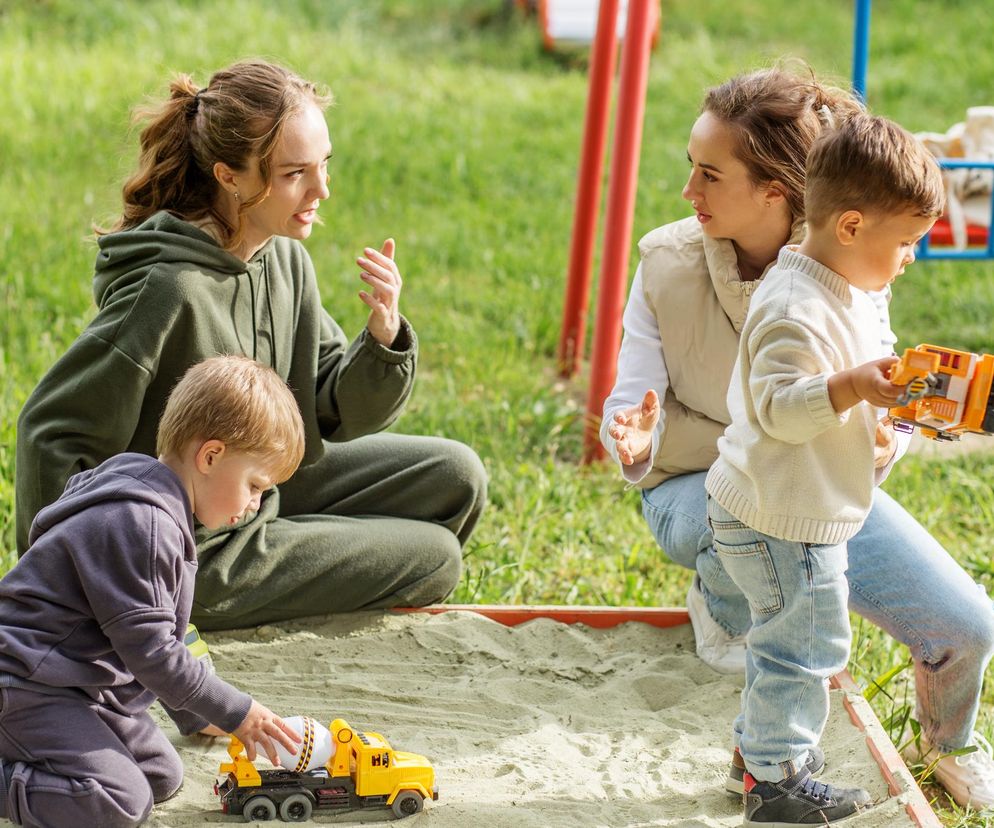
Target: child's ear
(208,455)
(847,226)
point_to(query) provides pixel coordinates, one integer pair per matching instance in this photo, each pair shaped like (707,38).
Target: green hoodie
(168,297)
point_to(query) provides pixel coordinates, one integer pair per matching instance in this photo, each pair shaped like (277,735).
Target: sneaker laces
(816,790)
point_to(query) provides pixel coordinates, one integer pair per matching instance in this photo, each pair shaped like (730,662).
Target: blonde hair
(871,164)
(238,116)
(777,115)
(242,403)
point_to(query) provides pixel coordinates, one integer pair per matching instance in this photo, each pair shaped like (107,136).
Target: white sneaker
(968,779)
(715,647)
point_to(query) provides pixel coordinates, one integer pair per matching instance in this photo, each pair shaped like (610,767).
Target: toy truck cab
(405,779)
(364,771)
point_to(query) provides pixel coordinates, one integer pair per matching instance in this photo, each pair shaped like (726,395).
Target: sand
(536,726)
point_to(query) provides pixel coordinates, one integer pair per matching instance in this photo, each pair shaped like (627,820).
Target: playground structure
(622,184)
(940,243)
(575,21)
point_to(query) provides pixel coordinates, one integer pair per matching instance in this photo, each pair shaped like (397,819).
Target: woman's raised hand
(380,272)
(632,429)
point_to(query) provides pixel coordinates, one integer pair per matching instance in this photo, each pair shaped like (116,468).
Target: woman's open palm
(632,429)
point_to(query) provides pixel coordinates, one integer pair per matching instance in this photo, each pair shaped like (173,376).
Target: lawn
(456,134)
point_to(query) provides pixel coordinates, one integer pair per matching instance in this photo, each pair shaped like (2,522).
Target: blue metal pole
(861,49)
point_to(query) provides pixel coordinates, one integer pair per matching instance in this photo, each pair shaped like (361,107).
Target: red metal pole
(620,212)
(588,189)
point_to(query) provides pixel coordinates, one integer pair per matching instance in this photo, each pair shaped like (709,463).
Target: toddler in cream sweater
(795,475)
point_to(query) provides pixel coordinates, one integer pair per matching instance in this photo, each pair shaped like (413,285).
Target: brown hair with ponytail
(777,115)
(238,116)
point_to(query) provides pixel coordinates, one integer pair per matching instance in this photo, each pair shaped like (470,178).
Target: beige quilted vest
(691,283)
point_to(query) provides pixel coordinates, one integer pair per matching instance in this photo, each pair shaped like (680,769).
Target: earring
(238,197)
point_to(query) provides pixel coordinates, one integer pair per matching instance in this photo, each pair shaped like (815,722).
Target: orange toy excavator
(948,392)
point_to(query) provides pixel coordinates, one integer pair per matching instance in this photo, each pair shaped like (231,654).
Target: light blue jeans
(799,639)
(900,579)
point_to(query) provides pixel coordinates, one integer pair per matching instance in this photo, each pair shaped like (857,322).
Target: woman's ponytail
(168,177)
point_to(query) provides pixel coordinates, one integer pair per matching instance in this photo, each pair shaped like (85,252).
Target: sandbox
(539,725)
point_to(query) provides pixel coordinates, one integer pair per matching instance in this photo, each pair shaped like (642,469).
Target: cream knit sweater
(790,466)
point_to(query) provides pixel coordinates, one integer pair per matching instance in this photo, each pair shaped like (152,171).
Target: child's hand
(886,443)
(869,381)
(262,726)
(380,272)
(632,429)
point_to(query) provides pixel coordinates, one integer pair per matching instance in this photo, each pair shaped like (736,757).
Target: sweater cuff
(403,348)
(819,404)
(220,704)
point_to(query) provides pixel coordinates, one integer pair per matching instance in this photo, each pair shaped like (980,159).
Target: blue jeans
(900,579)
(799,639)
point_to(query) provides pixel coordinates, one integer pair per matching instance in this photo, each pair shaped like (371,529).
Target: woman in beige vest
(689,298)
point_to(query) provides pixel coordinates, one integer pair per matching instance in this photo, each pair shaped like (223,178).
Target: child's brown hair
(871,164)
(240,402)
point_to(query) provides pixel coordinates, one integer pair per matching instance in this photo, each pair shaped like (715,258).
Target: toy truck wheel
(407,803)
(259,809)
(296,808)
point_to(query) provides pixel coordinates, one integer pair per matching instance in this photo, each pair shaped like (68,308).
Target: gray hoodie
(100,602)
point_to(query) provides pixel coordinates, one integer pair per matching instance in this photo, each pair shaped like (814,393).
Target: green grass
(456,134)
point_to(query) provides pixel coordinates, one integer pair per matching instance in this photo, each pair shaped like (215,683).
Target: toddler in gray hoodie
(92,617)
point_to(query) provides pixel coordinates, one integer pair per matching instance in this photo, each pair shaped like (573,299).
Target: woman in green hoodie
(207,259)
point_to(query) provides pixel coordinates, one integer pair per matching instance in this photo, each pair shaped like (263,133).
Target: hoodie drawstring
(269,308)
(255,343)
(264,286)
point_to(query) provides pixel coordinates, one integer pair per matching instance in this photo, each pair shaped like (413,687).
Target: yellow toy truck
(362,772)
(948,392)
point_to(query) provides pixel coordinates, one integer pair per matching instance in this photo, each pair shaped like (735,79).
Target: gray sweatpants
(75,763)
(378,522)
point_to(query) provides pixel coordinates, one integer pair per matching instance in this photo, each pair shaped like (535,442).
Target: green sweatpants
(377,522)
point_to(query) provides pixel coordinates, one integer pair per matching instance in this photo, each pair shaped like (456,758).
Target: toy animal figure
(948,392)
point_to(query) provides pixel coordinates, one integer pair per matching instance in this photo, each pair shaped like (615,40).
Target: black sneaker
(798,800)
(733,784)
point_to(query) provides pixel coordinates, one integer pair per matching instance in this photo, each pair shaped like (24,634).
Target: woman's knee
(440,565)
(455,487)
(460,467)
(972,623)
(676,513)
